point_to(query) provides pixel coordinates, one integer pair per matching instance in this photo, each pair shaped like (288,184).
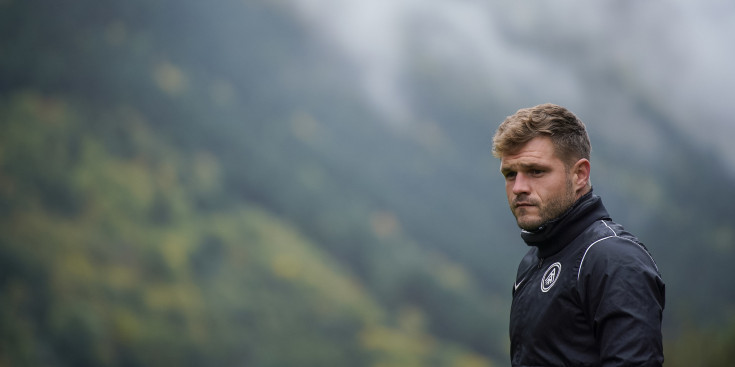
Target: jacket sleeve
(623,296)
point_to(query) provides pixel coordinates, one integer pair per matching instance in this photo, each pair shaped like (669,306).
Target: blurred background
(310,182)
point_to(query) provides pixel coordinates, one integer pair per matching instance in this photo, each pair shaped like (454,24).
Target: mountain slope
(197,184)
(108,260)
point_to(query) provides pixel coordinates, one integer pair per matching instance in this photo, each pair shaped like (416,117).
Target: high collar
(555,234)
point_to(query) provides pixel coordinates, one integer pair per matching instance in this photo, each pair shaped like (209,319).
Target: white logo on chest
(550,276)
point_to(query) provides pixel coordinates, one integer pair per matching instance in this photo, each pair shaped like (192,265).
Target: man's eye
(536,172)
(510,175)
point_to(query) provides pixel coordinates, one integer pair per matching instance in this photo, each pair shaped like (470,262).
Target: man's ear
(581,174)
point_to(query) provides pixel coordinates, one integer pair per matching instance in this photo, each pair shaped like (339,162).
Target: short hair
(567,132)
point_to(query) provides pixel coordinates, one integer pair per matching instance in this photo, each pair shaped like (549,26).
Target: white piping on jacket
(604,238)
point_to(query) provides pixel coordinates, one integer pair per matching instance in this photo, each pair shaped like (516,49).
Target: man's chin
(529,224)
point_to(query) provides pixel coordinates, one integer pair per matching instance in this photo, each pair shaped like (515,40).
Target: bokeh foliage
(194,184)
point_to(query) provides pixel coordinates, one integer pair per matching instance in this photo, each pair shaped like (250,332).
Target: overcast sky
(678,51)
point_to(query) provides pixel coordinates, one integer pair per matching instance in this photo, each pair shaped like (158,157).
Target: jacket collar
(555,234)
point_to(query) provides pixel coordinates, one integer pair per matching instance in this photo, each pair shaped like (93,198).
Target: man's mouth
(523,204)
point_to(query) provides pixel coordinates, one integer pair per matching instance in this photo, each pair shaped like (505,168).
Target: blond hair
(567,132)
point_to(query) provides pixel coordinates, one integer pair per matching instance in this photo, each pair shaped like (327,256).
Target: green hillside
(112,257)
(197,184)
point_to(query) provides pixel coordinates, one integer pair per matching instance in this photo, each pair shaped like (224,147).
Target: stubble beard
(550,210)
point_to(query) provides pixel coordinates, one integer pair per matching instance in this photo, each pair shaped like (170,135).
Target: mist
(573,53)
(310,182)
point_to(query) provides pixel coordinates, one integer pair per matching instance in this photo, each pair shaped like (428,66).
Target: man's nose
(521,184)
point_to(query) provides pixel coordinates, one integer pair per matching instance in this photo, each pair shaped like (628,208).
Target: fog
(597,58)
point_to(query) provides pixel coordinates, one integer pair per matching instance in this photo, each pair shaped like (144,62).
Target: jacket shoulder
(607,244)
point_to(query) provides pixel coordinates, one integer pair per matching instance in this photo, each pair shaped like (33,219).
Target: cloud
(677,52)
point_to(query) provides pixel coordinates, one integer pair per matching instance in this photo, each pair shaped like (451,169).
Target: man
(587,293)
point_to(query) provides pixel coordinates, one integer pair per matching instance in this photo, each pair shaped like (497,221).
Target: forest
(206,184)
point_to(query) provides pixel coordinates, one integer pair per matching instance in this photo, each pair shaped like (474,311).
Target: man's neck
(556,234)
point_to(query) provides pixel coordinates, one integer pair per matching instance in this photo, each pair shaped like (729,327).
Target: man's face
(538,184)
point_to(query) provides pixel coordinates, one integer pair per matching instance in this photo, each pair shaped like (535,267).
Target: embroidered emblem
(550,276)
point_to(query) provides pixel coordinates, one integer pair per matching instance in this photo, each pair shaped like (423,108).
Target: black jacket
(587,293)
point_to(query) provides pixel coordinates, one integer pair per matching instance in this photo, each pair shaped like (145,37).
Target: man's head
(544,156)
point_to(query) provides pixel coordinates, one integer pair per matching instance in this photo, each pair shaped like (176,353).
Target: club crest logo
(550,276)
